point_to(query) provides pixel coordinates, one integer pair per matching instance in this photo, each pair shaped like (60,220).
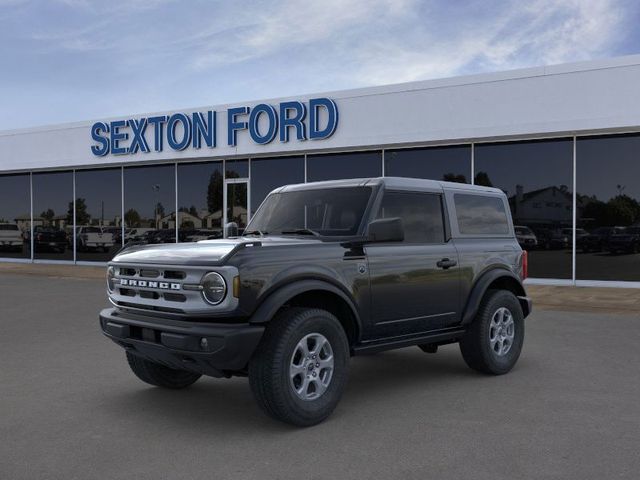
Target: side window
(481,215)
(421,215)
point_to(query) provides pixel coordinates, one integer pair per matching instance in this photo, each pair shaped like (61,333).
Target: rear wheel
(300,369)
(159,375)
(494,341)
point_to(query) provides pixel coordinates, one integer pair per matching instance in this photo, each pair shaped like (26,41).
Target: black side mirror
(386,230)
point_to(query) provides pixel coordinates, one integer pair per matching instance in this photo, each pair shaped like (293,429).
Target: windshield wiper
(300,231)
(254,232)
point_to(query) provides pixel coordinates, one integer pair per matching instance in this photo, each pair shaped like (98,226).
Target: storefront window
(608,203)
(15,216)
(98,214)
(336,166)
(451,164)
(53,215)
(537,177)
(237,168)
(200,202)
(149,204)
(270,173)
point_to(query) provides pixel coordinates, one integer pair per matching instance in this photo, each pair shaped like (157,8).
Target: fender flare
(280,295)
(482,285)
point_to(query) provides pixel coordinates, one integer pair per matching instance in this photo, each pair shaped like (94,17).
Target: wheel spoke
(311,368)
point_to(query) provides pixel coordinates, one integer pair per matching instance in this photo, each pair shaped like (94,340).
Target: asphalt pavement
(71,409)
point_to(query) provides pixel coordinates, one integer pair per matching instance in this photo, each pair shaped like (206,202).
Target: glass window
(421,215)
(53,215)
(149,204)
(15,216)
(98,214)
(537,178)
(270,173)
(451,164)
(200,190)
(608,208)
(481,215)
(336,166)
(237,168)
(326,211)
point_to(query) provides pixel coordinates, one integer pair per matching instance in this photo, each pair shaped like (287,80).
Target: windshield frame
(360,231)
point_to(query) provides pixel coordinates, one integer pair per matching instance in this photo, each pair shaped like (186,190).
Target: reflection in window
(336,166)
(237,168)
(481,215)
(200,190)
(53,215)
(98,214)
(537,178)
(608,201)
(451,164)
(149,204)
(421,215)
(270,173)
(15,216)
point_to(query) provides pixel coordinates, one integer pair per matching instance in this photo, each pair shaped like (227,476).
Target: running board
(444,336)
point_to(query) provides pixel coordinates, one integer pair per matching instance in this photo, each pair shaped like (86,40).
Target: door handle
(446,263)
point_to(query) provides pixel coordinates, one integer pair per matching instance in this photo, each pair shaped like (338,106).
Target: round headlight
(111,273)
(214,288)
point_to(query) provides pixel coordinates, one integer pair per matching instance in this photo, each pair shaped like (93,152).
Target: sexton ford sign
(313,120)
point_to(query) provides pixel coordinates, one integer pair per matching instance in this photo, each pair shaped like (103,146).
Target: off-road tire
(476,346)
(159,375)
(269,375)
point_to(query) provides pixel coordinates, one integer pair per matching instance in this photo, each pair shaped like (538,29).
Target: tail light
(525,264)
(39,237)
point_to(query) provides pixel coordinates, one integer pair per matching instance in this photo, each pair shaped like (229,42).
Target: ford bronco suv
(325,271)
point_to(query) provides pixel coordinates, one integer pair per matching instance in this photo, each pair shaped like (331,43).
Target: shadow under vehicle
(322,272)
(49,239)
(10,237)
(597,240)
(526,238)
(626,241)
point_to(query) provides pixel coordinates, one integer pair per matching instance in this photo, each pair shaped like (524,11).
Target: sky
(73,60)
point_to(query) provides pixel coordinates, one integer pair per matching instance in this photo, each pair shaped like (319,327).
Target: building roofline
(506,75)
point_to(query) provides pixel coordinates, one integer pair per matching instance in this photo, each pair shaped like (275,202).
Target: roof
(392,182)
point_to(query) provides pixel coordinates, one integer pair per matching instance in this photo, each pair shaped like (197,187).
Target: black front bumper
(213,349)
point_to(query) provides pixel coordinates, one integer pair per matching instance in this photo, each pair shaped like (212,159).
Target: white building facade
(563,142)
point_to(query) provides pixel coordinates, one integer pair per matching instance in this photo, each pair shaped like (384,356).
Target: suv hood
(205,252)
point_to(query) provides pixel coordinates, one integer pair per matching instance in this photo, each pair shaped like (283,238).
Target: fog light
(204,343)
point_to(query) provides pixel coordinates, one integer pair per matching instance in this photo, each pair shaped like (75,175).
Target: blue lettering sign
(272,123)
(316,119)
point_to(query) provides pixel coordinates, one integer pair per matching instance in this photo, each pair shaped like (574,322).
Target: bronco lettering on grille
(128,282)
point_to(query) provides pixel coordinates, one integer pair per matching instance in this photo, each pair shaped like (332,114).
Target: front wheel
(159,375)
(494,340)
(300,369)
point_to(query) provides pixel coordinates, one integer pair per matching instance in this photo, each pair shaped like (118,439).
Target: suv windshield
(321,211)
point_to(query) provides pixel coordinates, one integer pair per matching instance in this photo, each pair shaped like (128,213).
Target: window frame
(453,212)
(443,214)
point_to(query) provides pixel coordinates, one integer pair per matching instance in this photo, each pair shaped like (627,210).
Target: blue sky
(70,60)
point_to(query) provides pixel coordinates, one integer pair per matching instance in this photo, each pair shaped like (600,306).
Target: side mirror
(231,229)
(386,230)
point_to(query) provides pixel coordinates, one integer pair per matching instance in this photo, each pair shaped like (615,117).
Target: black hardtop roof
(393,183)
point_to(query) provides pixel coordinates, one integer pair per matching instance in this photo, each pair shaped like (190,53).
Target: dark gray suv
(325,271)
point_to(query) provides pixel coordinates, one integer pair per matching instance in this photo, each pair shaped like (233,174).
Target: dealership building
(563,142)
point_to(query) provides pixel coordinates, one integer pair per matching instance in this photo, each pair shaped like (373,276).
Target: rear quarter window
(481,215)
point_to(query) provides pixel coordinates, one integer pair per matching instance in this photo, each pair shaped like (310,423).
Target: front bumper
(179,344)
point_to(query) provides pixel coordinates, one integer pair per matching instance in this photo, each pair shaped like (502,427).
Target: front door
(236,206)
(415,284)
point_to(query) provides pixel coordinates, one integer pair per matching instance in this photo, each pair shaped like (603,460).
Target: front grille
(170,289)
